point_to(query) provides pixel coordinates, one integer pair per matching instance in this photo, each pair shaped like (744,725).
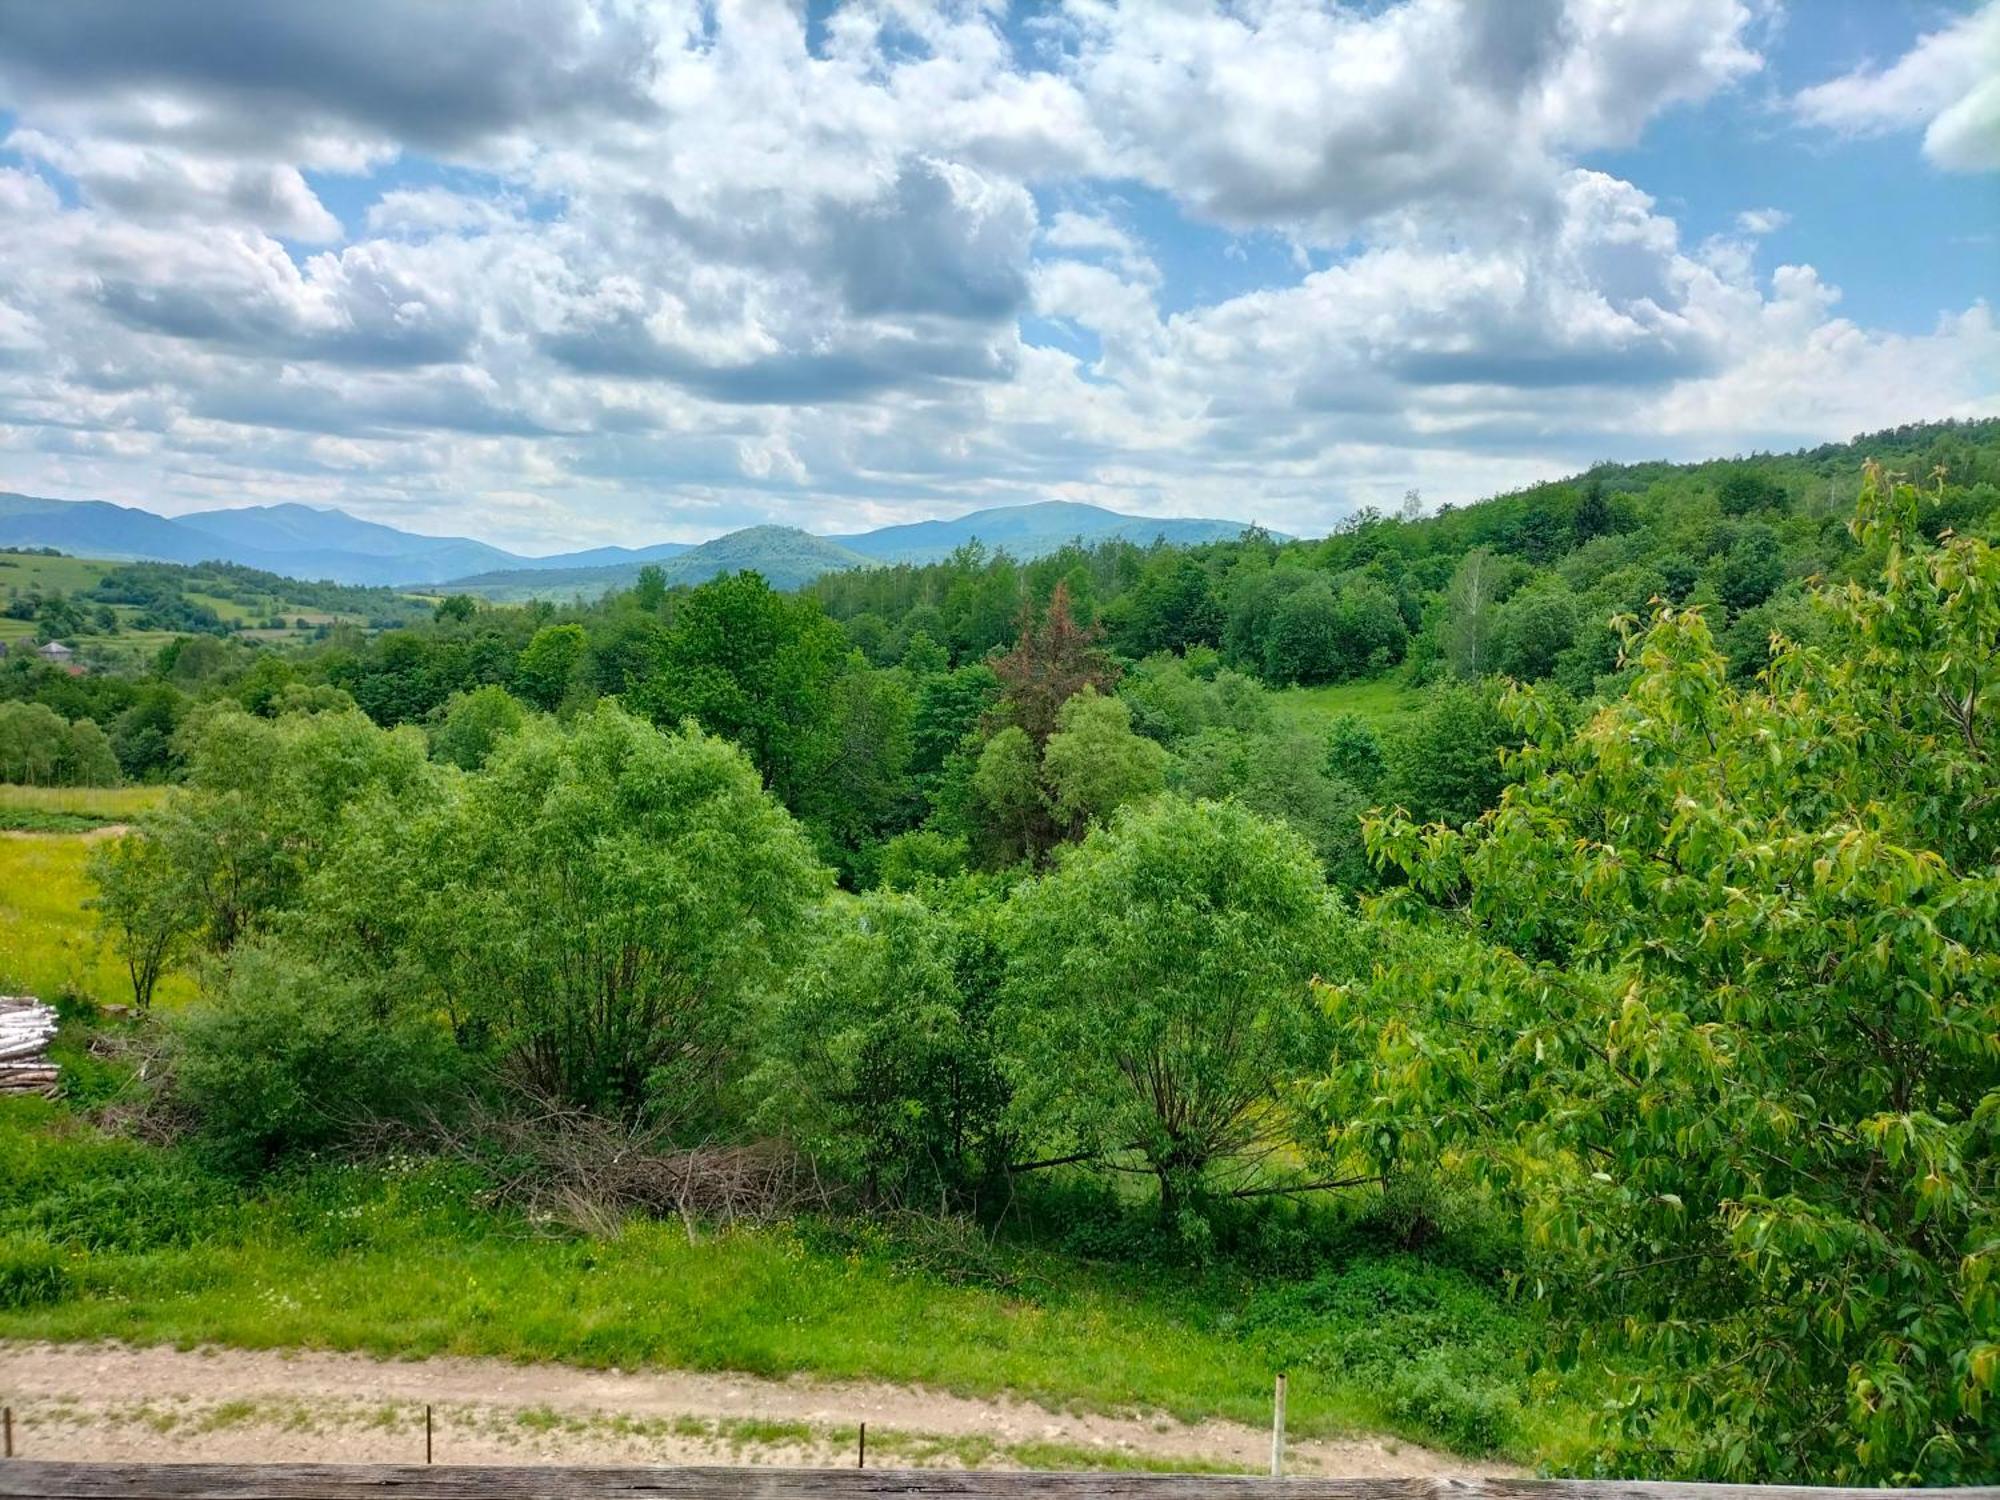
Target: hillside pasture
(25,573)
(243,600)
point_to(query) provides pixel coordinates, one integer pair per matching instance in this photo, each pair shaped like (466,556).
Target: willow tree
(600,903)
(1158,998)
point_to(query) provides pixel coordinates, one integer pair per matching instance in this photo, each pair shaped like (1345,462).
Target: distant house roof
(57,651)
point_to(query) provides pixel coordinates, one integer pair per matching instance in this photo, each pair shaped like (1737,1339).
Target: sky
(555,273)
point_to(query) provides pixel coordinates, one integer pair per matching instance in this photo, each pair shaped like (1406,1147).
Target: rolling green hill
(122,610)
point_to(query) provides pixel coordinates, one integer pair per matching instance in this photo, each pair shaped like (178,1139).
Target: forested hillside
(1564,925)
(124,613)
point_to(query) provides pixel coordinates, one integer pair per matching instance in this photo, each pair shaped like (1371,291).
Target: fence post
(427,1432)
(861,1453)
(1278,1428)
(8,1422)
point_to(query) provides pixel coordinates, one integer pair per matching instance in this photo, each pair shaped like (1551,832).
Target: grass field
(1381,701)
(48,943)
(104,804)
(24,573)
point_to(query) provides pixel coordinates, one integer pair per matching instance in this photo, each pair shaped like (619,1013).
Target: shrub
(602,901)
(1437,1397)
(1424,1339)
(289,1059)
(1158,992)
(879,1053)
(31,1273)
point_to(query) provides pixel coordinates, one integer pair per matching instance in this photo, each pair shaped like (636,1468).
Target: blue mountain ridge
(303,541)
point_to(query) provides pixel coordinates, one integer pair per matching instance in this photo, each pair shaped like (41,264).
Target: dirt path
(110,1402)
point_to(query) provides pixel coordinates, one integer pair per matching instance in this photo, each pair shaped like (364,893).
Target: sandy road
(109,1402)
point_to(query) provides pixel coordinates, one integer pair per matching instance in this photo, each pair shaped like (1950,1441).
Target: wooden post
(861,1453)
(427,1432)
(1278,1428)
(9,1424)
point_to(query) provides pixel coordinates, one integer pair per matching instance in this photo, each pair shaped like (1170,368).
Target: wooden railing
(29,1479)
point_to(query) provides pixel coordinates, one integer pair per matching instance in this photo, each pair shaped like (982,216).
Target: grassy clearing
(122,1241)
(1382,701)
(48,946)
(24,573)
(102,804)
(225,609)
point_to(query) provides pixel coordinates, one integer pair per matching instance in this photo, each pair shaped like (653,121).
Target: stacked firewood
(25,1028)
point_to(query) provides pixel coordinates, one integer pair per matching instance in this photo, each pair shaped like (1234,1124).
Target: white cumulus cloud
(563,271)
(1947,85)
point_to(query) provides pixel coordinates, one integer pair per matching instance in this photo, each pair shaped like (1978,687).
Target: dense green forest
(1638,974)
(872,702)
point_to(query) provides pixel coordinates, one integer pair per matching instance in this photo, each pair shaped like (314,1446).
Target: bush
(31,1273)
(910,859)
(289,1059)
(1443,763)
(1158,995)
(473,724)
(602,901)
(1436,1397)
(157,1207)
(1419,1207)
(1425,1339)
(879,1055)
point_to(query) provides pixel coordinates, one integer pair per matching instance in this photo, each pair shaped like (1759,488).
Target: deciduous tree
(1159,994)
(1721,1025)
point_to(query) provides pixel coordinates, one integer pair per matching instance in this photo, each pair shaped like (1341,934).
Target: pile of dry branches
(589,1171)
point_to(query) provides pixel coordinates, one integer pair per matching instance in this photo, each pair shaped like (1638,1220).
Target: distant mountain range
(1029,531)
(303,542)
(786,556)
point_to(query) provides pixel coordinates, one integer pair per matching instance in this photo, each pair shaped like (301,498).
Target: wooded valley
(1532,969)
